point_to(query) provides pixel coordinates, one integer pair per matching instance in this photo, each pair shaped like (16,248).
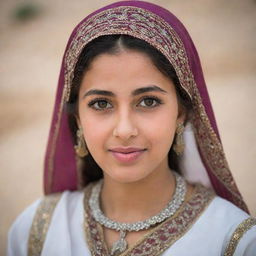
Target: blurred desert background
(33,35)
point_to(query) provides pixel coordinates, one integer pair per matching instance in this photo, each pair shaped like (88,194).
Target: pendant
(120,245)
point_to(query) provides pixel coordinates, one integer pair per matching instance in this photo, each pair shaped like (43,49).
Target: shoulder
(222,210)
(237,226)
(224,215)
(215,225)
(216,209)
(243,239)
(19,233)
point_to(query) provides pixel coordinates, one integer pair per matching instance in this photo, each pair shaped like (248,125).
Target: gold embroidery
(166,234)
(41,224)
(238,233)
(159,238)
(91,228)
(142,24)
(211,149)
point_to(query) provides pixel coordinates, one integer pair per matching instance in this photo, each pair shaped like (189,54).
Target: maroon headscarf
(161,29)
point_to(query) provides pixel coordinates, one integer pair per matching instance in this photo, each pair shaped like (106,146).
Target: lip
(129,156)
(126,149)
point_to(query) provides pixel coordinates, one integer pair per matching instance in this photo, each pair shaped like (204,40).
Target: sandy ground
(224,33)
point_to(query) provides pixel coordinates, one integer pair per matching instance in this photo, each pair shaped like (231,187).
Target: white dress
(208,235)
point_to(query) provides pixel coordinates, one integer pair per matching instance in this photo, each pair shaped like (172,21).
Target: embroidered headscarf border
(136,22)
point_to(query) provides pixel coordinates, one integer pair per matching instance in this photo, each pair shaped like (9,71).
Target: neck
(137,201)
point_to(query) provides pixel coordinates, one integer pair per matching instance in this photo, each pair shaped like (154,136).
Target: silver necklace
(121,245)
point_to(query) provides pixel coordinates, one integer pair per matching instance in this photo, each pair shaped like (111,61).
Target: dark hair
(112,44)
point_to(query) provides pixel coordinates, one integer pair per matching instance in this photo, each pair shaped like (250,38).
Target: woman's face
(125,101)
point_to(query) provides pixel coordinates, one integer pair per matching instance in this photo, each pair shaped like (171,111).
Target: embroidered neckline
(158,239)
(120,245)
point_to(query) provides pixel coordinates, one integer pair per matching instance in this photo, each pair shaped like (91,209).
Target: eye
(99,104)
(150,102)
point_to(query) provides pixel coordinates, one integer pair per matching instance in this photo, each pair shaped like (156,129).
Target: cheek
(96,129)
(159,127)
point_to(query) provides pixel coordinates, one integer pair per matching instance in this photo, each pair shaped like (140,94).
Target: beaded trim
(41,223)
(237,235)
(161,237)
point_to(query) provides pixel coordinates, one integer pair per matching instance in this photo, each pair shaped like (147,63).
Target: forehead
(123,72)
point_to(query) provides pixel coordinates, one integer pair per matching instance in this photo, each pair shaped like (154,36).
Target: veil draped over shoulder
(203,160)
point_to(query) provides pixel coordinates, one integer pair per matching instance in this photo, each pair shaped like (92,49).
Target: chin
(126,177)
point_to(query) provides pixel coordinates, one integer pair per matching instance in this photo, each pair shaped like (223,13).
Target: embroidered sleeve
(238,234)
(41,224)
(19,231)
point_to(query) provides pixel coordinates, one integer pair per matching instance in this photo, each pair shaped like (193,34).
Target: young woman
(134,138)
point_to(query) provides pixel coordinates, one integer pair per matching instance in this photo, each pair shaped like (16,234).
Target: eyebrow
(152,88)
(99,92)
(136,92)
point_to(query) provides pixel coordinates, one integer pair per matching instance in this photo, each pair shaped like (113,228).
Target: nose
(125,127)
